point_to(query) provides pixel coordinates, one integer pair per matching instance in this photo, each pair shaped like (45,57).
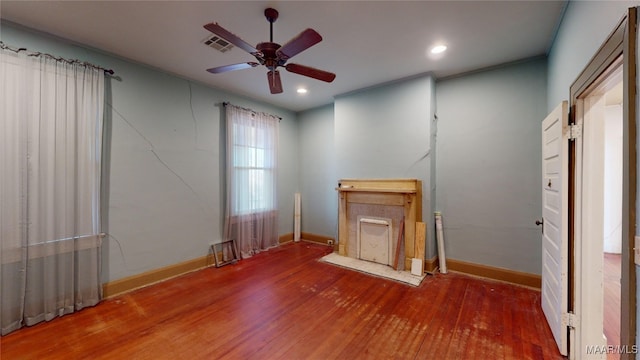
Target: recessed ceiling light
(438,49)
(302,91)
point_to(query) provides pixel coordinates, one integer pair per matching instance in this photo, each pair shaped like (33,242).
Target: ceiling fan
(272,55)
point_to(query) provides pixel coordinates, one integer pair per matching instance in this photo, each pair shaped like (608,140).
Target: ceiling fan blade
(221,69)
(232,38)
(298,44)
(310,72)
(275,85)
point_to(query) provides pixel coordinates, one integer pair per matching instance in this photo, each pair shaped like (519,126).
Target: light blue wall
(488,160)
(165,159)
(319,200)
(380,132)
(384,132)
(584,28)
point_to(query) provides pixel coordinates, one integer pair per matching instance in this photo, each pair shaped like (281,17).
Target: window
(254,168)
(252,152)
(252,142)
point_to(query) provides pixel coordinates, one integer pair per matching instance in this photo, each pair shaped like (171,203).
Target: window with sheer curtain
(51,113)
(254,168)
(252,213)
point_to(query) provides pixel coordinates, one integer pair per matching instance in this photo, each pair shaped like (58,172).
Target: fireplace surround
(392,199)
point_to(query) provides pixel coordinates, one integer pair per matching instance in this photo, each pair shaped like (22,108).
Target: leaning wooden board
(398,244)
(421,233)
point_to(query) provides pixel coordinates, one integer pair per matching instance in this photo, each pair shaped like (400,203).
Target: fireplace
(390,200)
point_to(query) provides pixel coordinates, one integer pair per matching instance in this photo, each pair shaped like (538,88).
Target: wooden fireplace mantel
(405,193)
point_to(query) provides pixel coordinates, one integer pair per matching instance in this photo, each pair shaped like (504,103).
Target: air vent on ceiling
(218,43)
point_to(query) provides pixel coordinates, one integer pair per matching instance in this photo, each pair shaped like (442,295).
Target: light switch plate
(636,251)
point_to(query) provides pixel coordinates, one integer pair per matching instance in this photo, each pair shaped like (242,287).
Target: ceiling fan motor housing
(269,57)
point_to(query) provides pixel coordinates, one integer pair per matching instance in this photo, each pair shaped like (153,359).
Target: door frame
(621,42)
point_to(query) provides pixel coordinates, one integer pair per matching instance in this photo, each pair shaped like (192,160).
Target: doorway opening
(612,215)
(599,203)
(578,319)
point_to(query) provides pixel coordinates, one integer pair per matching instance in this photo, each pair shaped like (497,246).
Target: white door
(555,215)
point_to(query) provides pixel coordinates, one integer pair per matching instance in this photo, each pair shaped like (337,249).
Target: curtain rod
(3,46)
(225,103)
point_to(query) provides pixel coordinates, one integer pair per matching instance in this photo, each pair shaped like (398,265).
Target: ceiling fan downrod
(272,15)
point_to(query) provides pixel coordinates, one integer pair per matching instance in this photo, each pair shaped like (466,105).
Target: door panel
(555,221)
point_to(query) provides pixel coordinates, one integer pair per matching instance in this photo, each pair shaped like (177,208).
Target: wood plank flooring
(612,272)
(284,304)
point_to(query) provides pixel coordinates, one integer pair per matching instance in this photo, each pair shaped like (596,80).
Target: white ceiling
(366,43)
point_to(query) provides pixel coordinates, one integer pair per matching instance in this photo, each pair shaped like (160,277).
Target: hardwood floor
(611,275)
(284,304)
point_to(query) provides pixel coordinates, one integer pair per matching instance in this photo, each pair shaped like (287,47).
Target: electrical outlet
(636,251)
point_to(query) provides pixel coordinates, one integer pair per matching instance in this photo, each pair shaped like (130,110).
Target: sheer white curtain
(50,163)
(251,211)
